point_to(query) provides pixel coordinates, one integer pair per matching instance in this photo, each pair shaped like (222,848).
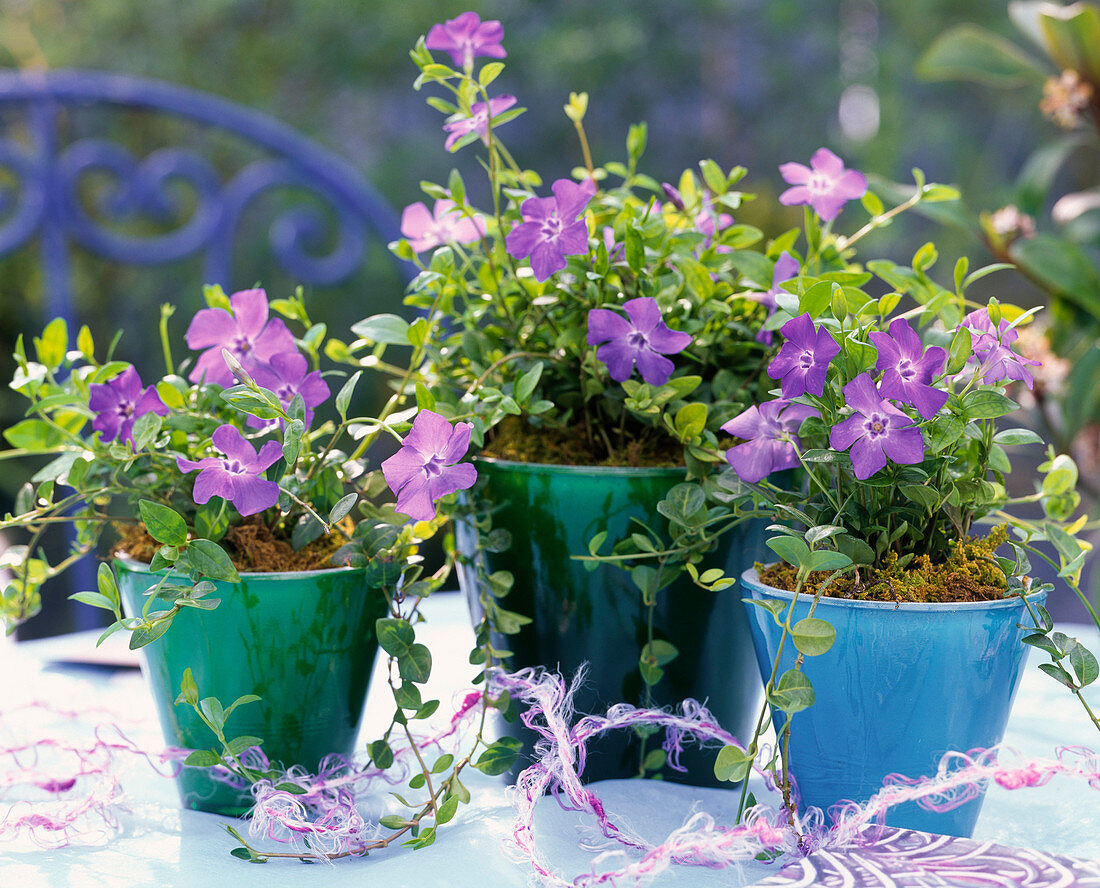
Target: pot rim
(540,467)
(750,577)
(135,566)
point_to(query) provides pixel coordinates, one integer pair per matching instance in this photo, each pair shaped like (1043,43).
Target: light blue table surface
(157,843)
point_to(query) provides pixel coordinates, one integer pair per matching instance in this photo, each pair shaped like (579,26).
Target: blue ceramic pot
(902,685)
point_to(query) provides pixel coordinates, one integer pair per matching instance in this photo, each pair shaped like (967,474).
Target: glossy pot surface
(303,641)
(597,617)
(902,685)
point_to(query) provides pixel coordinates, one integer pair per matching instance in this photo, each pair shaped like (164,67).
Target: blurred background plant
(1048,219)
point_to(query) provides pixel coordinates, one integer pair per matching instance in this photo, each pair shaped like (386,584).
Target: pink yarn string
(700,841)
(59,792)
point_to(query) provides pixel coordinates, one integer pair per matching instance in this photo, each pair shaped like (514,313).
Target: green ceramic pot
(303,641)
(597,617)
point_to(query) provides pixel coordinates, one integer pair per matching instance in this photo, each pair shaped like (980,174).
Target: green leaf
(817,298)
(1060,266)
(407,696)
(775,608)
(242,853)
(395,636)
(189,691)
(943,432)
(812,636)
(690,420)
(1058,674)
(447,810)
(681,502)
(415,664)
(342,508)
(33,434)
(825,559)
(394,821)
(211,707)
(380,753)
(1037,639)
(165,525)
(525,385)
(208,559)
(732,764)
(635,251)
(793,693)
(1061,477)
(383,328)
(147,635)
(923,496)
(106,583)
(203,758)
(967,52)
(93,599)
(54,343)
(499,757)
(791,549)
(1071,34)
(343,397)
(660,651)
(145,431)
(1084,664)
(987,404)
(1009,437)
(239,744)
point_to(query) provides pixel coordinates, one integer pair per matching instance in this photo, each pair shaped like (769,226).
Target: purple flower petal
(213,481)
(654,368)
(604,324)
(549,231)
(825,185)
(251,494)
(249,311)
(642,339)
(619,358)
(426,467)
(875,430)
(770,438)
(803,360)
(868,457)
(466,37)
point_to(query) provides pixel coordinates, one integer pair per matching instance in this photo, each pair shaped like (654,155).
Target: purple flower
(875,431)
(119,402)
(247,333)
(236,477)
(786,267)
(824,185)
(550,231)
(427,466)
(710,222)
(997,361)
(478,121)
(804,358)
(466,37)
(644,340)
(908,370)
(770,440)
(443,225)
(285,375)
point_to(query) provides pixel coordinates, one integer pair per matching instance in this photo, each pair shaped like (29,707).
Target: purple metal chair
(173,202)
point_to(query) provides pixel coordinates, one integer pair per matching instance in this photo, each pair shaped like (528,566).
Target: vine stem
(842,243)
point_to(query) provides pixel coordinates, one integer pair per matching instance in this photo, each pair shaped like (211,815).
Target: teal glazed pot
(597,617)
(303,641)
(902,685)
